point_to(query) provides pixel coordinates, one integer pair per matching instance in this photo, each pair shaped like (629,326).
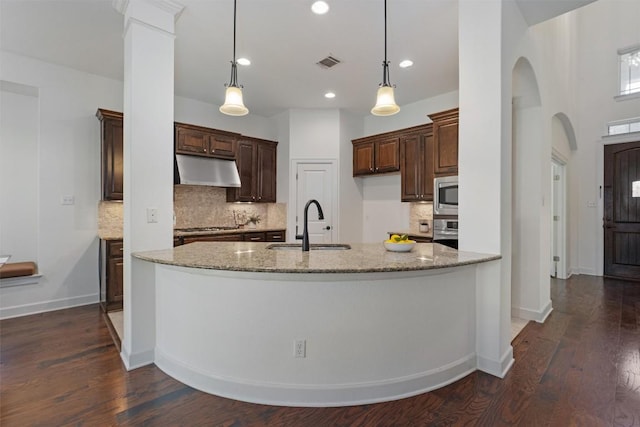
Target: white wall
(351,229)
(616,26)
(204,114)
(68,160)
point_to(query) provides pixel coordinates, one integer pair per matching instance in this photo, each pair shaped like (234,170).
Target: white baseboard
(316,395)
(536,315)
(41,307)
(136,360)
(497,368)
(588,271)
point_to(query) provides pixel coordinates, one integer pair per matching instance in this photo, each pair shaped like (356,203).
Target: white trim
(137,360)
(8,282)
(628,49)
(536,315)
(627,96)
(41,307)
(497,368)
(318,395)
(620,138)
(588,271)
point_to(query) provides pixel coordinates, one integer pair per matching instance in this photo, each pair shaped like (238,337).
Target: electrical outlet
(152,215)
(68,200)
(300,348)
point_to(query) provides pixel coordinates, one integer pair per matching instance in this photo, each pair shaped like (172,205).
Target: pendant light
(385,101)
(233,105)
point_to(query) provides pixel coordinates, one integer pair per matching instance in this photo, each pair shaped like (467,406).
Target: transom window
(623,126)
(629,60)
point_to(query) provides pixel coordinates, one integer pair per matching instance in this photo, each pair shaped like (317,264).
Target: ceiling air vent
(328,62)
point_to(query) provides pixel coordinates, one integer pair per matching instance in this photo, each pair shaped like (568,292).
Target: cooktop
(214,228)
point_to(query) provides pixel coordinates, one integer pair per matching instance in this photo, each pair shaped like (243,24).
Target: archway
(530,203)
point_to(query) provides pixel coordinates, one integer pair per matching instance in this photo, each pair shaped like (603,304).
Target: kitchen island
(319,328)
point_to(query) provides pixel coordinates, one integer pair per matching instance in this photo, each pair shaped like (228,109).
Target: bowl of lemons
(399,243)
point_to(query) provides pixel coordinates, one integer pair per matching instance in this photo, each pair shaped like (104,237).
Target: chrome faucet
(305,231)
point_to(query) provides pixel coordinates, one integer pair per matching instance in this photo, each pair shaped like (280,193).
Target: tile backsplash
(418,212)
(201,206)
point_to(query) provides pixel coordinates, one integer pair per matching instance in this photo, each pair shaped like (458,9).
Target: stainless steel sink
(312,246)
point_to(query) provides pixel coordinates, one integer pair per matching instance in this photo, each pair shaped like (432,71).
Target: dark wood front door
(622,210)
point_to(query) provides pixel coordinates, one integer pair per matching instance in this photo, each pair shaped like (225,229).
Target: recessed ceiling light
(243,61)
(329,95)
(406,63)
(320,7)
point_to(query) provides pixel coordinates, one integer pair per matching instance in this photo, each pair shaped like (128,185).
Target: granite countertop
(116,233)
(361,258)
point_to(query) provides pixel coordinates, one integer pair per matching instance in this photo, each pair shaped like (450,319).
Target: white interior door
(558,220)
(315,181)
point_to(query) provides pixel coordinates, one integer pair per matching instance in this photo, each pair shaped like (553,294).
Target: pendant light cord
(385,64)
(234,67)
(385,31)
(234,29)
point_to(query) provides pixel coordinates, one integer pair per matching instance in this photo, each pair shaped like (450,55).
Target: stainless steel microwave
(445,195)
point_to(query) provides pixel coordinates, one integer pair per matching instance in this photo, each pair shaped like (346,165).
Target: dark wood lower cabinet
(111,274)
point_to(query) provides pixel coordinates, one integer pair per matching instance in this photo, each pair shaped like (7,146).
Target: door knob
(328,227)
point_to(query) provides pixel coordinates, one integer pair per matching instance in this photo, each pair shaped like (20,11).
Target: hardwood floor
(581,367)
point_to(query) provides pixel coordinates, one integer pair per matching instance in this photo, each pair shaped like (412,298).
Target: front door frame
(606,140)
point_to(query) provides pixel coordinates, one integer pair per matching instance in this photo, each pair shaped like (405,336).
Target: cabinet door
(255,237)
(221,145)
(114,283)
(266,172)
(387,155)
(191,141)
(112,158)
(427,167)
(213,238)
(411,171)
(114,275)
(446,147)
(245,161)
(363,155)
(276,236)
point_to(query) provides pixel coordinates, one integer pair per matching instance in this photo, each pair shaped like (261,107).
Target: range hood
(196,170)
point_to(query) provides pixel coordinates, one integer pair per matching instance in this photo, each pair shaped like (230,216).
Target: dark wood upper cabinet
(416,167)
(376,154)
(445,141)
(256,160)
(198,140)
(112,154)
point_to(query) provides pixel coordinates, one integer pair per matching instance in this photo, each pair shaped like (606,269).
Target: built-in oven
(445,195)
(445,232)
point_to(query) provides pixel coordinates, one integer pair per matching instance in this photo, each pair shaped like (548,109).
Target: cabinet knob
(204,150)
(213,151)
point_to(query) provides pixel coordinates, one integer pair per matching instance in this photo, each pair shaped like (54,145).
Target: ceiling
(283,39)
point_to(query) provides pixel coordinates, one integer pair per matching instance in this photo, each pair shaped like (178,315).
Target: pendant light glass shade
(233,104)
(385,101)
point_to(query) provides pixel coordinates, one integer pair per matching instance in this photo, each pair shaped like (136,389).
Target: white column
(482,191)
(148,161)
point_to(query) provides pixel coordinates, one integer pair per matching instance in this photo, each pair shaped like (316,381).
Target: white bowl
(399,247)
